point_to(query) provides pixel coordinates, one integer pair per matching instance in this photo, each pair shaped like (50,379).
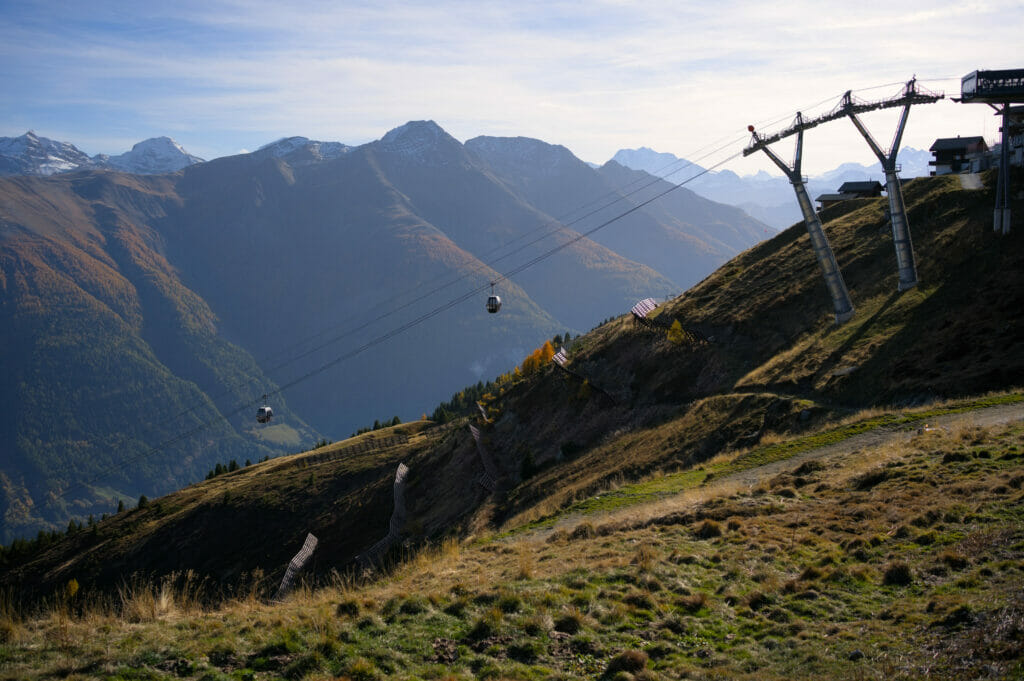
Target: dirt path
(990,416)
(987,417)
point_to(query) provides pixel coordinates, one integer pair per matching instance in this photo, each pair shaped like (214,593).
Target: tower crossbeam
(847,105)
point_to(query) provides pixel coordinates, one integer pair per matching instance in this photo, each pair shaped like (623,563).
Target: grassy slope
(674,407)
(898,563)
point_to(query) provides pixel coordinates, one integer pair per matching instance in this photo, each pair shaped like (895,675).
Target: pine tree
(675,333)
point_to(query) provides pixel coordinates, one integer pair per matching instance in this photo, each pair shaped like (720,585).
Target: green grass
(796,589)
(674,483)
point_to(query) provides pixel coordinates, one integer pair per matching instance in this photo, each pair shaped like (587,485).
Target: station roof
(1003,86)
(953,143)
(872,187)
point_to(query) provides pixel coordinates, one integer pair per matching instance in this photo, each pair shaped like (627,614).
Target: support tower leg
(1001,215)
(905,265)
(837,290)
(826,258)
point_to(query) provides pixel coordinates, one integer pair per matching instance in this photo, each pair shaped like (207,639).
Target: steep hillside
(636,401)
(106,355)
(680,235)
(293,259)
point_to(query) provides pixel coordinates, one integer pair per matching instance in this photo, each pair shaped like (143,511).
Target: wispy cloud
(598,76)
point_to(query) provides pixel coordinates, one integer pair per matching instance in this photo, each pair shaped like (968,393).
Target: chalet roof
(952,143)
(842,196)
(871,187)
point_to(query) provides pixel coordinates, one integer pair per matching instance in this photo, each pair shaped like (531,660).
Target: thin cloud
(232,74)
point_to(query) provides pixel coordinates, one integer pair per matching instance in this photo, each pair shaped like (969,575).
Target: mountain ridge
(30,154)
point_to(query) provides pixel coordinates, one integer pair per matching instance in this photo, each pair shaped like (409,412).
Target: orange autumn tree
(538,358)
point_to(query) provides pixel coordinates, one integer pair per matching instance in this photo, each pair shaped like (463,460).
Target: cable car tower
(849,107)
(819,242)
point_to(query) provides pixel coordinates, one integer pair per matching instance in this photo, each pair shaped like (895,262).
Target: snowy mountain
(149,157)
(302,150)
(418,140)
(656,163)
(524,154)
(34,155)
(765,197)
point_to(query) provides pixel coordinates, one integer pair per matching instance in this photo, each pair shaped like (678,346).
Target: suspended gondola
(493,301)
(264,413)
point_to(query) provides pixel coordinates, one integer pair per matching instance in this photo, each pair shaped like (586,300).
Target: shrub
(361,669)
(897,574)
(694,602)
(583,531)
(585,645)
(570,623)
(954,560)
(414,605)
(810,573)
(526,651)
(709,529)
(510,602)
(757,600)
(638,599)
(627,661)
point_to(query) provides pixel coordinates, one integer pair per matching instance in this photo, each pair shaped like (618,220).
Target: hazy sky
(222,76)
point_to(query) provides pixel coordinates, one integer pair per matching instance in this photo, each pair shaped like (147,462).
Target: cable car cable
(390,334)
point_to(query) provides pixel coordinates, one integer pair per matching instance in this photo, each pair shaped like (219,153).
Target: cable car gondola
(493,301)
(264,413)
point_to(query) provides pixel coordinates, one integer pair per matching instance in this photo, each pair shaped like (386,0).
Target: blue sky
(222,76)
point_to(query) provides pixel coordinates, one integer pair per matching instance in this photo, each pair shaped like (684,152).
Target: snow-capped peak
(151,156)
(31,154)
(302,150)
(517,152)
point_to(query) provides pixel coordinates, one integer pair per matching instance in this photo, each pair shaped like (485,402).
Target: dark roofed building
(862,190)
(958,155)
(850,190)
(826,200)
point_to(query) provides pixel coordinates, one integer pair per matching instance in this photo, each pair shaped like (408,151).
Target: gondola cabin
(264,414)
(493,301)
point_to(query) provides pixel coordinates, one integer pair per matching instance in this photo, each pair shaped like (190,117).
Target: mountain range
(30,154)
(766,197)
(144,316)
